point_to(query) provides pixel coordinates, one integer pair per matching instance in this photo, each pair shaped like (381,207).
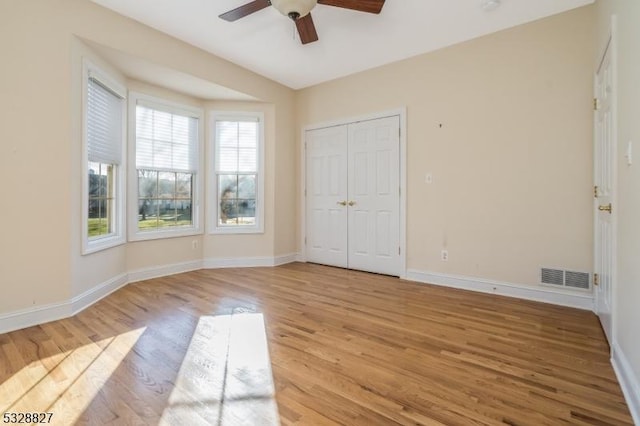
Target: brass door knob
(606,208)
(352,203)
(342,203)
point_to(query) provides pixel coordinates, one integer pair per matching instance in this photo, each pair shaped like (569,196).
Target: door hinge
(398,251)
(596,279)
(595,104)
(595,191)
(305,241)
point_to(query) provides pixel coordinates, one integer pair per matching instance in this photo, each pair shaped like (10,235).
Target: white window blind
(104,124)
(165,140)
(237,146)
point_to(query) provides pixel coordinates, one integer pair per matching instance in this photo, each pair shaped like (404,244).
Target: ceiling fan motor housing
(294,9)
(298,11)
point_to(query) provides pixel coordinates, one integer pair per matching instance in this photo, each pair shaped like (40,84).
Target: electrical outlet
(428,178)
(444,255)
(194,244)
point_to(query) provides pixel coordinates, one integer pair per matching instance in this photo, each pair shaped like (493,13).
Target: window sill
(100,244)
(159,235)
(231,230)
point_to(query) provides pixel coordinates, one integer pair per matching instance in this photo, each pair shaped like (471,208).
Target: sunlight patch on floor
(66,383)
(225,377)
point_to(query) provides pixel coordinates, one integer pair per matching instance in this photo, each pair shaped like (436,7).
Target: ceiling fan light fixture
(489,5)
(294,9)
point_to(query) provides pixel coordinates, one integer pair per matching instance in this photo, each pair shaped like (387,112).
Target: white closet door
(326,186)
(374,197)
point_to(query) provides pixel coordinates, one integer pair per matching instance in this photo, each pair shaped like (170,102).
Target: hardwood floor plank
(336,347)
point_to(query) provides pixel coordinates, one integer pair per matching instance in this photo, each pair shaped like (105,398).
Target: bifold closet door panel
(326,196)
(374,196)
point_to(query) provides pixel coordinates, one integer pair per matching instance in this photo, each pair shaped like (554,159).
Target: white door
(352,196)
(605,157)
(326,208)
(374,197)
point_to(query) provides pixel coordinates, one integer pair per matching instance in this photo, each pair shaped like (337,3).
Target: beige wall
(285,206)
(40,260)
(504,125)
(35,77)
(627,292)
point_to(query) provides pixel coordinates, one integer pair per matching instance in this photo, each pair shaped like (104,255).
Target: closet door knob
(352,203)
(342,203)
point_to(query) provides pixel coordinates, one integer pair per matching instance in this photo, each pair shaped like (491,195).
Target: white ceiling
(349,41)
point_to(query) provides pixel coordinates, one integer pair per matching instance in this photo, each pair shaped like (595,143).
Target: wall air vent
(562,278)
(576,279)
(552,276)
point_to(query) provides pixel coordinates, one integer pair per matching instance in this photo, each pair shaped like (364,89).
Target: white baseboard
(574,300)
(88,298)
(33,316)
(283,259)
(55,311)
(163,271)
(52,312)
(247,262)
(629,383)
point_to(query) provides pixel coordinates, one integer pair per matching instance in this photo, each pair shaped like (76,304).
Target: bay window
(166,172)
(236,187)
(103,164)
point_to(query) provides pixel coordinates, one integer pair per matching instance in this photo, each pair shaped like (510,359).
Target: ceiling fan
(299,12)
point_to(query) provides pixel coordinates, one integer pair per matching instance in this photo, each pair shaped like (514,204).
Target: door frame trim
(402,114)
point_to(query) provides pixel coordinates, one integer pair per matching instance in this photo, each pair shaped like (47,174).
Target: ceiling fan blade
(371,6)
(244,10)
(306,29)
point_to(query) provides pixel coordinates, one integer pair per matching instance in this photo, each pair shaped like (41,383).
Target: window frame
(197,190)
(95,244)
(213,205)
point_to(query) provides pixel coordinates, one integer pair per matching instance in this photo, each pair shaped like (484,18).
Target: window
(104,114)
(237,181)
(167,156)
(101,199)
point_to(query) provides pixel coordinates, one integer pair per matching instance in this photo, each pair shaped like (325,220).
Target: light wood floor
(344,347)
